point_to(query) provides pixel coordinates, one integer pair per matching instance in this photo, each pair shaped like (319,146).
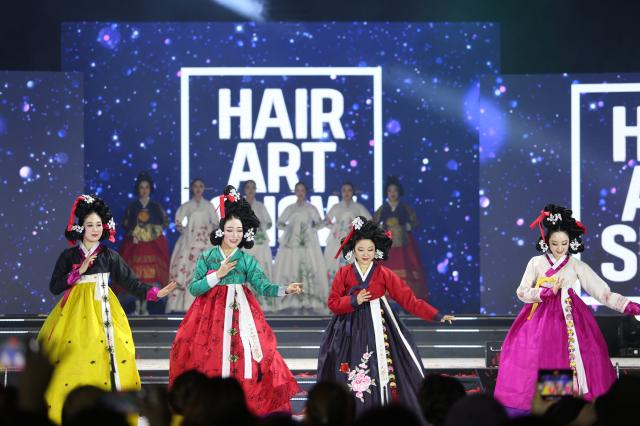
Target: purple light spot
(520,222)
(167,41)
(484,202)
(372,142)
(393,126)
(26,107)
(353,163)
(109,37)
(443,266)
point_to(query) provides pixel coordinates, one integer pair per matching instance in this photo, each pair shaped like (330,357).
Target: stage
(466,349)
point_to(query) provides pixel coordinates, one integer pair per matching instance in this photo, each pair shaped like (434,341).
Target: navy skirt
(348,355)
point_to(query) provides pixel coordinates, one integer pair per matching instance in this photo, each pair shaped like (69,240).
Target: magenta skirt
(542,343)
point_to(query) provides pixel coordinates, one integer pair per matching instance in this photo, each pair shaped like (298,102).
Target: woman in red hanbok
(366,345)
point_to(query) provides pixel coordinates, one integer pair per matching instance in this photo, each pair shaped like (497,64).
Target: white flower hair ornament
(250,235)
(379,254)
(357,223)
(543,246)
(219,233)
(575,244)
(112,224)
(77,228)
(235,194)
(555,218)
(88,198)
(349,256)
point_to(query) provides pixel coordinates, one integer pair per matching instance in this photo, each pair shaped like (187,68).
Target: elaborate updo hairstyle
(144,177)
(559,219)
(364,229)
(83,207)
(392,180)
(234,206)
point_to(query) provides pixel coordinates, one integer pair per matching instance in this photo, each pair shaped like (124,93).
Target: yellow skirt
(78,338)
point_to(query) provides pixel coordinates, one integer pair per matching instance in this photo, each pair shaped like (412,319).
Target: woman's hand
(557,285)
(225,268)
(294,288)
(167,289)
(87,263)
(363,296)
(448,318)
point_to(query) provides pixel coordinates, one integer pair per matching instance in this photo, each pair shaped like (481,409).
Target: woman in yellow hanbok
(87,335)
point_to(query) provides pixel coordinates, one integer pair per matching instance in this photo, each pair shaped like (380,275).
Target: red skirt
(149,260)
(198,346)
(405,262)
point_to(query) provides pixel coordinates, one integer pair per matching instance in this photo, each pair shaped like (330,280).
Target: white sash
(101,293)
(247,329)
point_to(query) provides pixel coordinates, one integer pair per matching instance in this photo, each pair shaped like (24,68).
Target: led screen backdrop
(562,139)
(41,171)
(321,103)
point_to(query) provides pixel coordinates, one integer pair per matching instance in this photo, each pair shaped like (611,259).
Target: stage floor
(461,349)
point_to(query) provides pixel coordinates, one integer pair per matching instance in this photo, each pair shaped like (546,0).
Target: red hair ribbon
(539,220)
(221,206)
(112,232)
(72,216)
(344,243)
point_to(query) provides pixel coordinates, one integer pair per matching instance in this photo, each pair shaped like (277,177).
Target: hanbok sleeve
(61,273)
(596,287)
(364,212)
(259,280)
(125,277)
(284,218)
(202,281)
(340,302)
(316,221)
(526,292)
(180,215)
(125,220)
(328,218)
(413,218)
(163,215)
(268,222)
(377,216)
(402,293)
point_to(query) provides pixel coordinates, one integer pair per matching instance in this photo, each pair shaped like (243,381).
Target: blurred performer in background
(338,221)
(400,219)
(201,218)
(299,257)
(145,248)
(261,249)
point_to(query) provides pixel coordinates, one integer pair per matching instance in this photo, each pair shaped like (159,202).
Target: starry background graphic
(41,163)
(132,116)
(525,152)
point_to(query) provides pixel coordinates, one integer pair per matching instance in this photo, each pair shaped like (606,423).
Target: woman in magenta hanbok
(556,329)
